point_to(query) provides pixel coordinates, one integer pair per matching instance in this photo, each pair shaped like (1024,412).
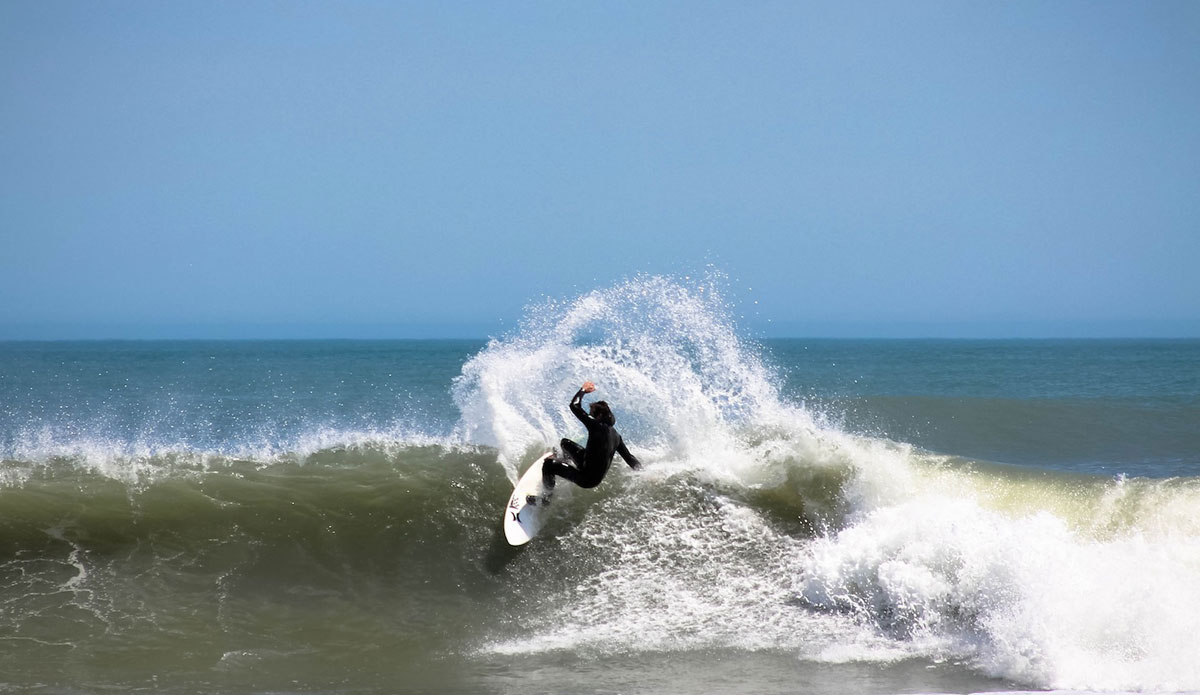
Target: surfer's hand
(588,387)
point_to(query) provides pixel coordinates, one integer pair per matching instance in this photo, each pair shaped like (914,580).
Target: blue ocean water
(1113,407)
(815,515)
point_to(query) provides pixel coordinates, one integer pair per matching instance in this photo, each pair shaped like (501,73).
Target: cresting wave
(758,524)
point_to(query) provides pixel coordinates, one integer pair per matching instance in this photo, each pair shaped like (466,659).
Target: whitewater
(294,518)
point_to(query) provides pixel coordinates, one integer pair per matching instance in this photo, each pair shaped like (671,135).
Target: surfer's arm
(629,458)
(577,407)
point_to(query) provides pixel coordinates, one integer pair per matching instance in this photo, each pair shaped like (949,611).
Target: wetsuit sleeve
(629,458)
(577,408)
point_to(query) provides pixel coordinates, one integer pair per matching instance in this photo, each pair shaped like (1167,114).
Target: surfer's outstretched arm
(629,458)
(577,407)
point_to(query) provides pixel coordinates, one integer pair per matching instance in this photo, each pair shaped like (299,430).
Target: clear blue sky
(282,168)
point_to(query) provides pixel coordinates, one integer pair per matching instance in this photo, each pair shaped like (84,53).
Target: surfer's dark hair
(603,413)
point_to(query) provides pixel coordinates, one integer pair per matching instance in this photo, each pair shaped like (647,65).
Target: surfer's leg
(561,467)
(562,470)
(576,453)
(573,454)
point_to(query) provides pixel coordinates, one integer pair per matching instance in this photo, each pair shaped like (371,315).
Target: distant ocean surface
(815,516)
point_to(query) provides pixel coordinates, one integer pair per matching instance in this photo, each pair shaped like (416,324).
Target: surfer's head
(602,412)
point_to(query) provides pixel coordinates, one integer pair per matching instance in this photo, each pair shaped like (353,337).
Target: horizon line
(1113,329)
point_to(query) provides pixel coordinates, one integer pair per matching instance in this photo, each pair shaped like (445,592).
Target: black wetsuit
(592,463)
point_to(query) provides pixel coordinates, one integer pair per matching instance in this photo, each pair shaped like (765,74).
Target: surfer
(591,463)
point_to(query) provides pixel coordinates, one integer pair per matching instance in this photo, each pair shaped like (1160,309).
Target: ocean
(814,516)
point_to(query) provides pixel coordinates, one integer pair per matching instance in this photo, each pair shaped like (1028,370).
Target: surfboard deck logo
(525,513)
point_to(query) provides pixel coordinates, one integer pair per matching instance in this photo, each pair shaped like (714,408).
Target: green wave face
(388,559)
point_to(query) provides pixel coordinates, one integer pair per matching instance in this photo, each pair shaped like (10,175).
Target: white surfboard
(526,509)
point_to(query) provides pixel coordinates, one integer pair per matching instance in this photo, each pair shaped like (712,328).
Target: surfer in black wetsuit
(590,464)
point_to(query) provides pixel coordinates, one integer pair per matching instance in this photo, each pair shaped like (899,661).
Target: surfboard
(526,509)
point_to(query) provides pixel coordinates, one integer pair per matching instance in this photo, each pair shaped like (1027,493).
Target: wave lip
(666,357)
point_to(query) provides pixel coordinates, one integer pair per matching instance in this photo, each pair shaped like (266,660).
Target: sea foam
(914,555)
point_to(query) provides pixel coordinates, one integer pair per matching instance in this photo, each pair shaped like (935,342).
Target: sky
(291,169)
